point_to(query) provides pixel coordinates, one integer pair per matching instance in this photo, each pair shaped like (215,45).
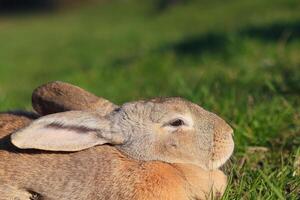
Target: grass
(240,59)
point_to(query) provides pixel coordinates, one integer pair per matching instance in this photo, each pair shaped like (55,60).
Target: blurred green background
(237,58)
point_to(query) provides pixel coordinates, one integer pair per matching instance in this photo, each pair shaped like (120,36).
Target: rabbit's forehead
(157,106)
(164,107)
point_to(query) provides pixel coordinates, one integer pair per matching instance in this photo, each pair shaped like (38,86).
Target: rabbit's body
(165,148)
(100,173)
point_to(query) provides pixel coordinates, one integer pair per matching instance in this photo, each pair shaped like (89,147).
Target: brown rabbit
(157,149)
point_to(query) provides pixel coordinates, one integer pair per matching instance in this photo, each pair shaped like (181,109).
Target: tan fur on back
(10,122)
(103,173)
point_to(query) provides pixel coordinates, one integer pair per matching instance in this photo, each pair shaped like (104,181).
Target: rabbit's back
(96,173)
(55,175)
(12,121)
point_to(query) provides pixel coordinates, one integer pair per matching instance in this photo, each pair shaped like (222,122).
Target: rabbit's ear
(58,96)
(69,131)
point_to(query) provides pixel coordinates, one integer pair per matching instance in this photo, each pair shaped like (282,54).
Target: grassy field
(240,59)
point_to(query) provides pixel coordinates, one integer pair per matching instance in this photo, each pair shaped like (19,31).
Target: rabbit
(166,148)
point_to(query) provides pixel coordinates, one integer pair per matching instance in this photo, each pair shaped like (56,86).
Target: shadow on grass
(208,43)
(274,32)
(211,43)
(162,5)
(218,42)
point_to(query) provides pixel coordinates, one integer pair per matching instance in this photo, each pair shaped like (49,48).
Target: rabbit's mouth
(221,152)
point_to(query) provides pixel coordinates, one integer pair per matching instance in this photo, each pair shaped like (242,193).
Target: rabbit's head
(172,130)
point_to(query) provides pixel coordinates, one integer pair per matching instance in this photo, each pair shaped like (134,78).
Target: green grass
(240,59)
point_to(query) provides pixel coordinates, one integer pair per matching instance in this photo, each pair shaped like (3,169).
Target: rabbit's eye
(177,122)
(117,109)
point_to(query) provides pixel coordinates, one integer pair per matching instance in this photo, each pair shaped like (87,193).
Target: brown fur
(100,172)
(12,121)
(58,96)
(81,175)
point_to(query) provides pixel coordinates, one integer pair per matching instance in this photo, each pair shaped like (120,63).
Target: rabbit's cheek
(182,143)
(174,148)
(159,131)
(222,150)
(178,139)
(172,143)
